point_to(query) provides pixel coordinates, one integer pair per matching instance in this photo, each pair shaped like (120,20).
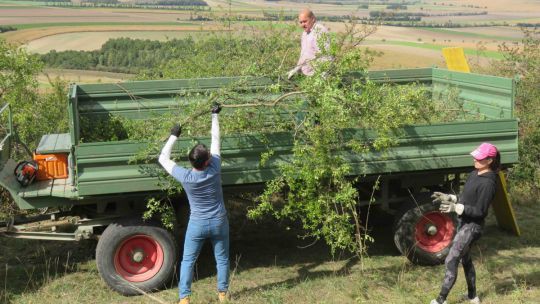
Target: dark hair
(198,156)
(495,165)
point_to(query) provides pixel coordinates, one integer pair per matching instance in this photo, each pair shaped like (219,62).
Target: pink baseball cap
(483,151)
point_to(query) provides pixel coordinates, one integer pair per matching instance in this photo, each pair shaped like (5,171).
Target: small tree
(523,60)
(315,186)
(19,88)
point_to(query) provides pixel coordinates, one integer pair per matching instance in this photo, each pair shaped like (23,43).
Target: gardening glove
(448,206)
(216,108)
(292,72)
(441,197)
(176,130)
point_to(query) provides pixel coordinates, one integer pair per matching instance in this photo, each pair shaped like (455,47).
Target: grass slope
(269,267)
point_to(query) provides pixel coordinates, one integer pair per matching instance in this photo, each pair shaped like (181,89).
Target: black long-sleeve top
(477,194)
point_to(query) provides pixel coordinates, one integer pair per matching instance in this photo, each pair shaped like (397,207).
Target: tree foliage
(316,186)
(18,87)
(523,61)
(266,51)
(249,52)
(34,113)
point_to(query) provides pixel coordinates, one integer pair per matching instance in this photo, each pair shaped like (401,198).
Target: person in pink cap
(471,206)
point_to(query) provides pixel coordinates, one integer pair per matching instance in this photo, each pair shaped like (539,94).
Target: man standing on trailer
(208,216)
(313,31)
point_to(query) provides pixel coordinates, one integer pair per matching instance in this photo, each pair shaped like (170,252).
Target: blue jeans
(198,231)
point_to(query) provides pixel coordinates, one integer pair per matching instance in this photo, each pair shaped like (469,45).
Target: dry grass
(272,269)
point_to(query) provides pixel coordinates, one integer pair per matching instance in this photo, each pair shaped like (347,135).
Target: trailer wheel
(422,233)
(134,257)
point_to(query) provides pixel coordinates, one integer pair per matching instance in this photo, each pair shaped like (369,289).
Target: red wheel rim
(434,231)
(138,258)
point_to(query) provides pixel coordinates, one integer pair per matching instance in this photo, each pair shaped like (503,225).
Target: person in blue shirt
(208,216)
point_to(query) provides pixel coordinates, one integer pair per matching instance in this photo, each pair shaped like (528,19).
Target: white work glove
(447,207)
(448,203)
(292,72)
(439,196)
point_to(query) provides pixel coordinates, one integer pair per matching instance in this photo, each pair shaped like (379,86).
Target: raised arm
(215,145)
(165,155)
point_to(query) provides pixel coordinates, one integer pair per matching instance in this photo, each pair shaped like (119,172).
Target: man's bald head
(306,18)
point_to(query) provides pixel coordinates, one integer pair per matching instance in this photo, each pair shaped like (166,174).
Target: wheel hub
(434,231)
(137,255)
(138,258)
(431,229)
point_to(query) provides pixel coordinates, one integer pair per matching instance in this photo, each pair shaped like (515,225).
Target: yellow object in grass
(455,59)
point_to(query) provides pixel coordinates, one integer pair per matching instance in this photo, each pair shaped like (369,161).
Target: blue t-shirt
(203,189)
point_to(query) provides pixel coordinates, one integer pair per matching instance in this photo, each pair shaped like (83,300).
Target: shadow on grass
(27,265)
(270,244)
(514,259)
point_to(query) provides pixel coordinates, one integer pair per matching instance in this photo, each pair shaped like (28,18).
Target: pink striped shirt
(310,48)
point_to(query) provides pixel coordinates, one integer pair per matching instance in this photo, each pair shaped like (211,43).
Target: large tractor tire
(422,233)
(134,257)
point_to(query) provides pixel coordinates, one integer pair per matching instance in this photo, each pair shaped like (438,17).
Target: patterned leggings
(460,250)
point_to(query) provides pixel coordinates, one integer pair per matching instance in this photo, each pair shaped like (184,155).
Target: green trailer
(104,194)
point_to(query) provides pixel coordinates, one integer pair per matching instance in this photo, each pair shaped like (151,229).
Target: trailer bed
(106,168)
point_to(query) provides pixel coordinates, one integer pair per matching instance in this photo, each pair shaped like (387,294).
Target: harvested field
(89,41)
(80,76)
(68,15)
(25,36)
(499,5)
(443,38)
(510,17)
(483,33)
(404,56)
(398,56)
(505,31)
(285,6)
(498,10)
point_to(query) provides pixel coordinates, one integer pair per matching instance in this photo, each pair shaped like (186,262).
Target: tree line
(156,4)
(7,28)
(404,19)
(415,16)
(122,55)
(153,58)
(335,2)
